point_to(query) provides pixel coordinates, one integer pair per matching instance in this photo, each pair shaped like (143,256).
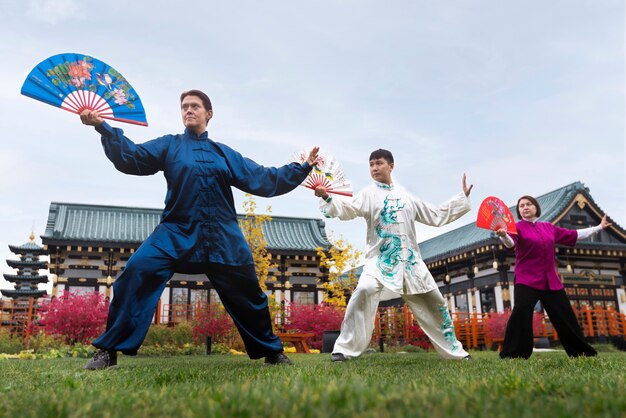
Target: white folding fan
(328,173)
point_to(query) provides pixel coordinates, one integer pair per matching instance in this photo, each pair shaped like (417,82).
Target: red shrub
(215,322)
(495,326)
(418,338)
(76,318)
(315,319)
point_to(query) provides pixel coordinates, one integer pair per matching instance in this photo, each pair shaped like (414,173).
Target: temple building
(475,272)
(89,246)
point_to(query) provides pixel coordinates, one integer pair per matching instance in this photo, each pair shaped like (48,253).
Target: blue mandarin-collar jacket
(199,222)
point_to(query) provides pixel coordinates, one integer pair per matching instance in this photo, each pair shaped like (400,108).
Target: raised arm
(589,232)
(128,157)
(445,213)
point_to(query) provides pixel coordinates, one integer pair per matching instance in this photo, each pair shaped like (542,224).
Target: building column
(478,305)
(497,290)
(451,303)
(512,295)
(320,296)
(470,301)
(507,296)
(278,295)
(54,286)
(621,300)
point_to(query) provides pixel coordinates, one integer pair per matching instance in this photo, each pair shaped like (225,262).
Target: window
(179,295)
(81,290)
(179,308)
(488,300)
(213,296)
(596,292)
(461,302)
(198,296)
(304,298)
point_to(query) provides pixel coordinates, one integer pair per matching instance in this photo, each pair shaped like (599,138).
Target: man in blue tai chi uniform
(198,232)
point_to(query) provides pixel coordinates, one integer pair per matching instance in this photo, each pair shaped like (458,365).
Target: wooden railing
(396,324)
(18,316)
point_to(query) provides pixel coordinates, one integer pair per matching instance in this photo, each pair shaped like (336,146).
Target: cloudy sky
(525,97)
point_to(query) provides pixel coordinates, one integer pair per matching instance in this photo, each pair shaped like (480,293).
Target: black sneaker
(468,358)
(103,359)
(338,357)
(278,358)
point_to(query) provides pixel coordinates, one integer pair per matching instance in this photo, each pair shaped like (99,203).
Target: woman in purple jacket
(536,279)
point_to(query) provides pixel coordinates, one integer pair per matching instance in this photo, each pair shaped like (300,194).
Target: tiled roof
(470,236)
(27,263)
(23,293)
(23,278)
(296,234)
(29,247)
(96,223)
(132,225)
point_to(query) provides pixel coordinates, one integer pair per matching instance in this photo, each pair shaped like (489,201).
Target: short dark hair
(382,153)
(206,102)
(533,201)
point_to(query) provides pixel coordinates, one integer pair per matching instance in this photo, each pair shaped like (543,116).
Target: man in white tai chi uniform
(393,260)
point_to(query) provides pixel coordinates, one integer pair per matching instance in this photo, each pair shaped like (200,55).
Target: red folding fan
(493,214)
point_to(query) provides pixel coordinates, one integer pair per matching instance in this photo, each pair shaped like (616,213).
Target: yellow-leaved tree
(252,227)
(341,261)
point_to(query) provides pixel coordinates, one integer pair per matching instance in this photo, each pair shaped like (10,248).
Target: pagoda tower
(28,266)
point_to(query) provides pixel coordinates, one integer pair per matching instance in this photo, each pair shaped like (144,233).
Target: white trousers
(429,309)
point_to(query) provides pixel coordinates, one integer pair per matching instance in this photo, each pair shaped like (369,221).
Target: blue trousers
(138,289)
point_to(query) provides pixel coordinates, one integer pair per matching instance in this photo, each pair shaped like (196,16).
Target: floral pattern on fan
(77,73)
(327,173)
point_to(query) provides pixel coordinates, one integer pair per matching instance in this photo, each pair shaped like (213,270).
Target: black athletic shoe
(338,357)
(278,358)
(468,358)
(103,359)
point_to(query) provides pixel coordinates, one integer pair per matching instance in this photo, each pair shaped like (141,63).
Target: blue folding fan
(76,82)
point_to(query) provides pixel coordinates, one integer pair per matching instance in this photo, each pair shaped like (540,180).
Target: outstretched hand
(604,223)
(501,232)
(466,190)
(91,118)
(312,158)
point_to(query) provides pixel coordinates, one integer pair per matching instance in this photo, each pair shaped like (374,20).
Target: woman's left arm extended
(589,232)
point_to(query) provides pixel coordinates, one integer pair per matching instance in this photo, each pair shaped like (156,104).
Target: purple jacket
(535,258)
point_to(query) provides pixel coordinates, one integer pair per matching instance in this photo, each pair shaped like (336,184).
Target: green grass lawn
(375,385)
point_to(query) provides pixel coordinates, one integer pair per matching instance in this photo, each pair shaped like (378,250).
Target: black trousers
(518,340)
